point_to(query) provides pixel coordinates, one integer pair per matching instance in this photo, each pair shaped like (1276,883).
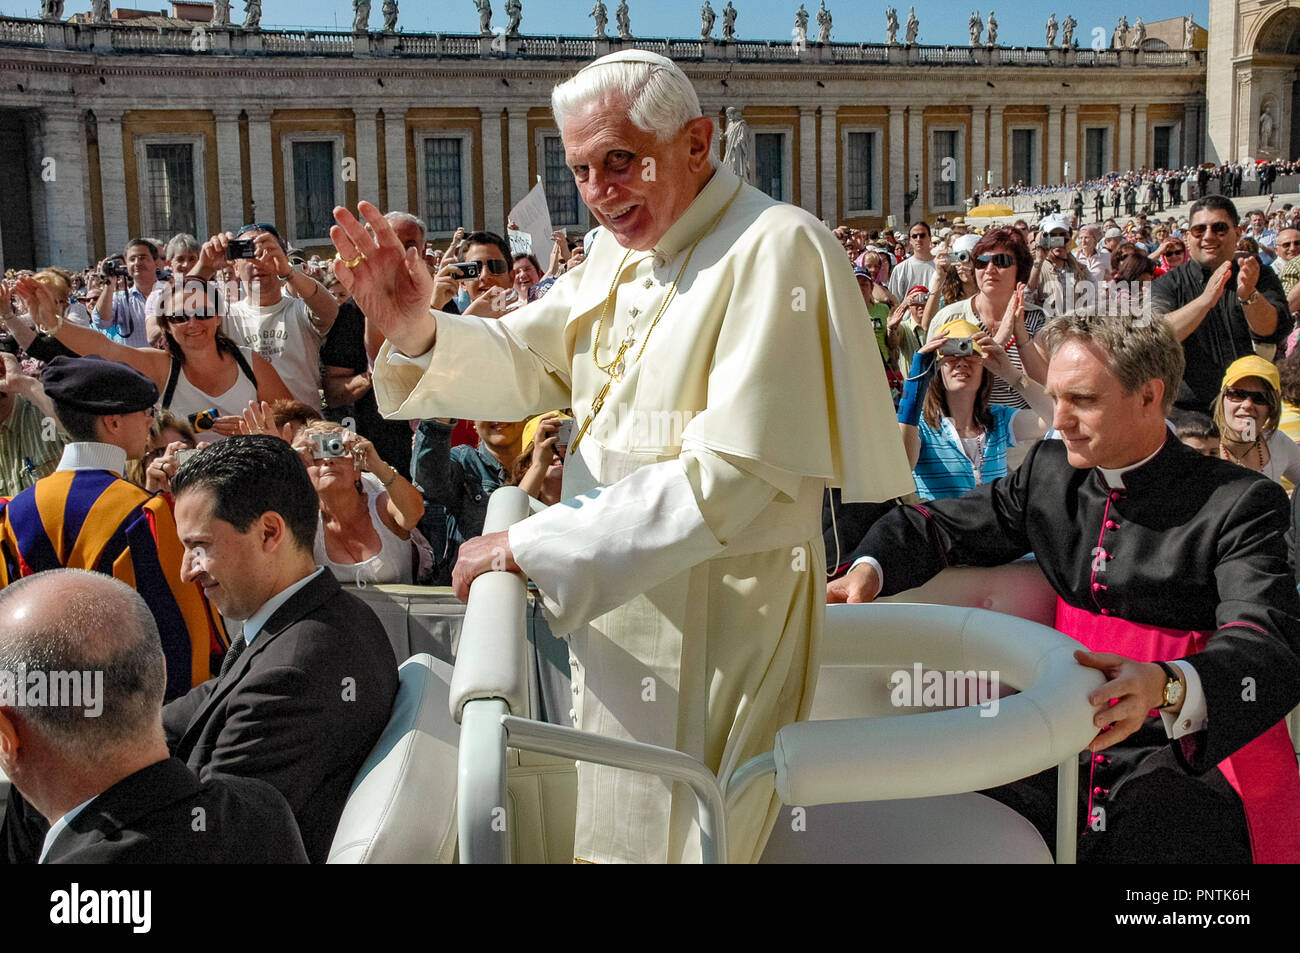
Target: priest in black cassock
(1172,568)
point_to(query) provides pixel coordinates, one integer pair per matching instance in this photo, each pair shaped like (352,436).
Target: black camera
(240,248)
(114,268)
(204,419)
(958,347)
(469,269)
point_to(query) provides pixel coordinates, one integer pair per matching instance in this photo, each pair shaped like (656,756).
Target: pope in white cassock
(716,347)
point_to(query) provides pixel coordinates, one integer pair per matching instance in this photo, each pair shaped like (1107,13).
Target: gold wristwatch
(1173,693)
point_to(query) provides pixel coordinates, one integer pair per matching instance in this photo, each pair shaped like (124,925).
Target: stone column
(395,159)
(1140,136)
(260,168)
(65,238)
(978,143)
(1072,142)
(995,145)
(1191,150)
(829,163)
(229,175)
(520,150)
(807,170)
(897,166)
(916,155)
(1054,167)
(1125,137)
(112,175)
(492,162)
(367,152)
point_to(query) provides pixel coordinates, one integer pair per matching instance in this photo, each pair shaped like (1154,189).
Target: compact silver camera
(957,347)
(329,445)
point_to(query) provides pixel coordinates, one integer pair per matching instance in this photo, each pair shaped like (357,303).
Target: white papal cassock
(686,560)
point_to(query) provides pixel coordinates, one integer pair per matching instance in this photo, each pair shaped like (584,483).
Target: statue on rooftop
(51,9)
(99,11)
(390,16)
(1139,35)
(1067,32)
(736,151)
(602,18)
(729,22)
(992,38)
(976,27)
(1051,31)
(801,26)
(484,17)
(823,24)
(360,16)
(514,14)
(913,26)
(707,19)
(220,13)
(623,20)
(891,26)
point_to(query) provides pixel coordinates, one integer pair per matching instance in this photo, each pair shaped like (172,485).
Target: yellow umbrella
(990,211)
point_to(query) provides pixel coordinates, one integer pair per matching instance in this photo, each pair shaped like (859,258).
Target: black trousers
(1146,808)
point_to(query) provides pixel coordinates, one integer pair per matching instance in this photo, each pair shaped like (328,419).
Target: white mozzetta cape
(686,561)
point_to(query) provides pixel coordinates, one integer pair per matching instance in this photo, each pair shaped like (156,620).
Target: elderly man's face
(635,185)
(1288,244)
(410,235)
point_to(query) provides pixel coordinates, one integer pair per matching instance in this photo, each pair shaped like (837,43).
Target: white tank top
(188,399)
(392,564)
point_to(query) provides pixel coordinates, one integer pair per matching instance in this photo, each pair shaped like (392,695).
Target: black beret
(96,385)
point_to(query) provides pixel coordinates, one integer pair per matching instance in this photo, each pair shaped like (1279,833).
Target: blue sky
(942,21)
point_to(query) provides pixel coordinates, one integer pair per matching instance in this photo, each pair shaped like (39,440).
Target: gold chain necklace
(617,367)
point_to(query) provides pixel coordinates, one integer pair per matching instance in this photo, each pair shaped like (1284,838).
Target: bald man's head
(90,645)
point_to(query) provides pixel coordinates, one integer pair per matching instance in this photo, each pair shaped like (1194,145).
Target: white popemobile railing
(847,760)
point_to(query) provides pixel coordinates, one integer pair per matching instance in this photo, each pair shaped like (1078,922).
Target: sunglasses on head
(1001,259)
(1258,398)
(1219,228)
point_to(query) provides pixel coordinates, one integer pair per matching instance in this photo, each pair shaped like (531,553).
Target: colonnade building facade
(111,131)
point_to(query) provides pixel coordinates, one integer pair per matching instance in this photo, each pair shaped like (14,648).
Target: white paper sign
(534,220)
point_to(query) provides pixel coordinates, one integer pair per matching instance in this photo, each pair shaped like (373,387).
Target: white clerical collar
(715,194)
(1114,479)
(93,456)
(58,827)
(253,624)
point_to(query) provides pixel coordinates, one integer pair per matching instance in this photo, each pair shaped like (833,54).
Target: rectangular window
(1095,153)
(170,204)
(561,191)
(945,144)
(769,163)
(443,208)
(313,189)
(1024,156)
(1160,143)
(860,171)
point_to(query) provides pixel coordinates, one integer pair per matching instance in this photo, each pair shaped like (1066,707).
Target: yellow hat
(530,428)
(961,328)
(1252,365)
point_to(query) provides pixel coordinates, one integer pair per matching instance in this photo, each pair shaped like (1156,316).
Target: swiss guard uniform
(1180,557)
(85,516)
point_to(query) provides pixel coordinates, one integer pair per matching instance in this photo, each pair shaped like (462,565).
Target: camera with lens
(326,446)
(204,419)
(1055,241)
(958,347)
(114,268)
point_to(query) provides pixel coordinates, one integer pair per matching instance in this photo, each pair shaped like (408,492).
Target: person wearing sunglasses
(916,269)
(1169,255)
(200,370)
(489,294)
(286,313)
(1220,309)
(1002,264)
(1247,412)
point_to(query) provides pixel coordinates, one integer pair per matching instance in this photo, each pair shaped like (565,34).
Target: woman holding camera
(1247,412)
(202,370)
(954,277)
(364,535)
(954,438)
(1002,263)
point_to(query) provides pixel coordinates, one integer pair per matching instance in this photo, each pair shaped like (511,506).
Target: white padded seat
(402,806)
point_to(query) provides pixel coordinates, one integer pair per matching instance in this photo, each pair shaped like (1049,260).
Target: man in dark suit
(305,692)
(1172,568)
(88,753)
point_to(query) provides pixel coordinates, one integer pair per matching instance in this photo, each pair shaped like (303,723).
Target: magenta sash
(1263,772)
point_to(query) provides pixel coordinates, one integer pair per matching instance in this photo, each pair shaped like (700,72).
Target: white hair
(396,218)
(659,96)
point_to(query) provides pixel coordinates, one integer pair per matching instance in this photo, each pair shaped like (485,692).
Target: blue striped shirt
(944,471)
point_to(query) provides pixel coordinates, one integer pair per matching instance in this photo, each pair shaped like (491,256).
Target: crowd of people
(251,426)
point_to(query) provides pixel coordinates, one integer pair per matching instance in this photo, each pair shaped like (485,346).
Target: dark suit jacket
(301,708)
(164,814)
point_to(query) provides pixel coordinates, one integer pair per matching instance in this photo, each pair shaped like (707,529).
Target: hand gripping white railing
(489,694)
(941,752)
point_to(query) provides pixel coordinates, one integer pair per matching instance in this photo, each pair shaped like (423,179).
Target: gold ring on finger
(355,260)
